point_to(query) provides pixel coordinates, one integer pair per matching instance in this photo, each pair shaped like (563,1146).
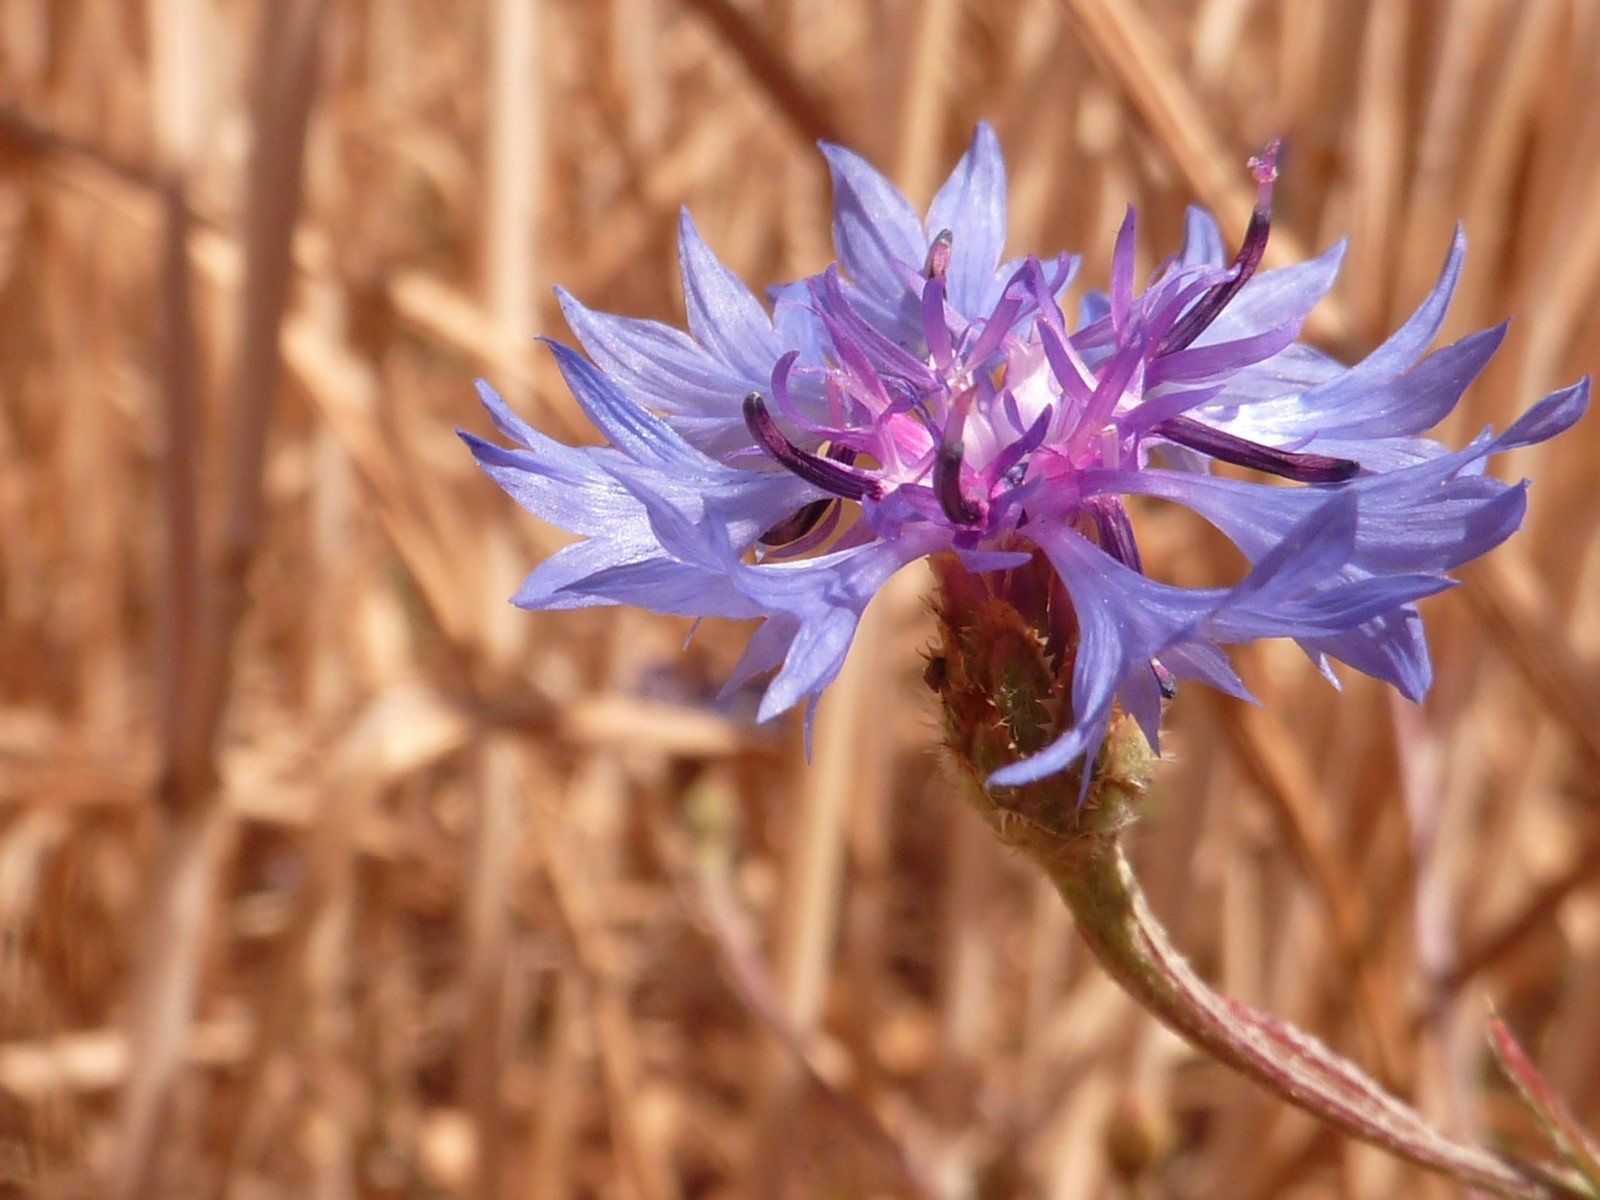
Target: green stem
(1080,849)
(1095,880)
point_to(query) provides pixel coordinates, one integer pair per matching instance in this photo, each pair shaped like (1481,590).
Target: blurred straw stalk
(323,871)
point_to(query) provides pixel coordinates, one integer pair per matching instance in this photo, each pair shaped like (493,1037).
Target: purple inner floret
(1254,247)
(918,396)
(909,408)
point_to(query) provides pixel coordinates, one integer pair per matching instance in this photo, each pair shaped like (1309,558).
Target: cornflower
(920,398)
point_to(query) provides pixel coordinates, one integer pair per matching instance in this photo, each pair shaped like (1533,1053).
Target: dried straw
(322,871)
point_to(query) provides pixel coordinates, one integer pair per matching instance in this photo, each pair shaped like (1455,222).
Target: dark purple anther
(938,261)
(947,485)
(1210,306)
(824,473)
(797,524)
(1230,448)
(1114,531)
(1165,680)
(947,465)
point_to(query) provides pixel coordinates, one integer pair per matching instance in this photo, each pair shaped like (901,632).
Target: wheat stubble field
(324,872)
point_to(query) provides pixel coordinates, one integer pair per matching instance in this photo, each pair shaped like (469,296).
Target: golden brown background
(324,872)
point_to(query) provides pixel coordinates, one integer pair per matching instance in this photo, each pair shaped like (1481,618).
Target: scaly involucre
(920,396)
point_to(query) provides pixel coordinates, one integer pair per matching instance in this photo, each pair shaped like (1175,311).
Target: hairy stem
(1003,670)
(1094,878)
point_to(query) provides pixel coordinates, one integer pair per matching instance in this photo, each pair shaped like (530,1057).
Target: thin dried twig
(176,935)
(800,106)
(311,955)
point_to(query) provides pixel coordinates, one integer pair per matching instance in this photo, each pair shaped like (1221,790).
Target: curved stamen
(797,524)
(947,486)
(947,465)
(934,329)
(1165,680)
(1115,532)
(807,521)
(824,473)
(938,260)
(1210,306)
(1241,452)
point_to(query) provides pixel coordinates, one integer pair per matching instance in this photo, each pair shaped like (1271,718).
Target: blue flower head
(919,397)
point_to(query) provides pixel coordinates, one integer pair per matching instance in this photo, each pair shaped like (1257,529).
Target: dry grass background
(324,872)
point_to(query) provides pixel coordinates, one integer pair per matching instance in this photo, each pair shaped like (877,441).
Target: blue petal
(1403,347)
(764,651)
(1426,517)
(1310,549)
(697,548)
(661,367)
(740,504)
(1381,409)
(1417,523)
(1293,370)
(723,316)
(634,430)
(557,582)
(874,229)
(828,596)
(563,486)
(972,205)
(1281,297)
(1391,647)
(1303,586)
(665,585)
(796,325)
(1202,240)
(1298,588)
(1554,414)
(1093,308)
(513,426)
